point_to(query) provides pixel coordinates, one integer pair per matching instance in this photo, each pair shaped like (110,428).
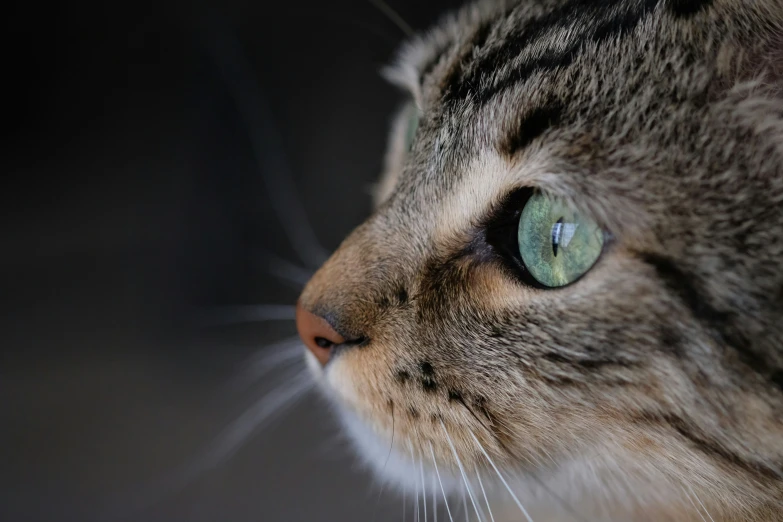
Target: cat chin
(587,483)
(398,469)
(393,465)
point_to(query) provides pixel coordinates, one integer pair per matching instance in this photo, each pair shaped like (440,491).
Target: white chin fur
(394,466)
(585,482)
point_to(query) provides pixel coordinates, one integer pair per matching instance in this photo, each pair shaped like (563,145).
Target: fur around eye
(557,245)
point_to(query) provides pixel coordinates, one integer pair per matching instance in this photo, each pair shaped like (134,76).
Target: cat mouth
(435,452)
(387,451)
(411,468)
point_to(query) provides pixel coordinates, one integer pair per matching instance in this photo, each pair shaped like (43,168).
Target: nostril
(323,343)
(359,341)
(317,334)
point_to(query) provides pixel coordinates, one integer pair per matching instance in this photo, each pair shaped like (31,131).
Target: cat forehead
(490,47)
(586,93)
(490,39)
(575,97)
(492,78)
(496,75)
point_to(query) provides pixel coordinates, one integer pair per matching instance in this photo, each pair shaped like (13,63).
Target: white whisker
(695,507)
(293,352)
(503,480)
(700,503)
(418,513)
(228,315)
(437,472)
(461,470)
(394,17)
(404,505)
(423,487)
(434,502)
(484,493)
(265,140)
(287,271)
(226,444)
(255,418)
(272,357)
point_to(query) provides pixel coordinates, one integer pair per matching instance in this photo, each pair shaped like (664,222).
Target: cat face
(653,376)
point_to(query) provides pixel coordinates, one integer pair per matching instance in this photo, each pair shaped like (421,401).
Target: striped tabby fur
(652,388)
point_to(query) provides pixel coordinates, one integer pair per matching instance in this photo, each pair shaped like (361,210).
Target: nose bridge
(373,264)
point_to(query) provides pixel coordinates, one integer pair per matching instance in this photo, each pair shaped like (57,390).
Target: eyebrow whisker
(394,17)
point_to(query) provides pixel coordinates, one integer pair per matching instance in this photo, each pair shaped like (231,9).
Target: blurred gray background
(132,201)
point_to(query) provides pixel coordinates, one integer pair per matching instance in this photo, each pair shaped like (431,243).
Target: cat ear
(396,153)
(382,189)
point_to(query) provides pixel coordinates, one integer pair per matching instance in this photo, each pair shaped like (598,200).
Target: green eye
(557,245)
(413,125)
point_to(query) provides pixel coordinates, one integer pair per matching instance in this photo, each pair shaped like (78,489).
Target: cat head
(573,272)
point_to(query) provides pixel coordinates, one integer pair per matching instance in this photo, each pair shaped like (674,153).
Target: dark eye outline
(501,235)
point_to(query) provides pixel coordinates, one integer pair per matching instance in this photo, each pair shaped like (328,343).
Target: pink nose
(317,334)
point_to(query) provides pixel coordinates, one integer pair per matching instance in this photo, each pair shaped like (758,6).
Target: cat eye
(412,126)
(557,245)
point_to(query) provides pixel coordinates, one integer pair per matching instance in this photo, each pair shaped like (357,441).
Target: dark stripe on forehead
(531,127)
(476,41)
(593,21)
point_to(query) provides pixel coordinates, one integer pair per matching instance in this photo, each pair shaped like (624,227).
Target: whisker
(413,457)
(483,492)
(461,470)
(423,487)
(695,507)
(287,271)
(271,357)
(257,416)
(386,463)
(222,449)
(224,316)
(500,476)
(442,490)
(293,349)
(404,504)
(563,503)
(700,503)
(392,15)
(228,56)
(434,502)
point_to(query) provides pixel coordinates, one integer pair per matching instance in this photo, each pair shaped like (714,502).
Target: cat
(568,302)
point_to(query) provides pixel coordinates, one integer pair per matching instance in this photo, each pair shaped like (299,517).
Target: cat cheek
(343,385)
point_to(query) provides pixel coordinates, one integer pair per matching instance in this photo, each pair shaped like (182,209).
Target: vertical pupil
(557,234)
